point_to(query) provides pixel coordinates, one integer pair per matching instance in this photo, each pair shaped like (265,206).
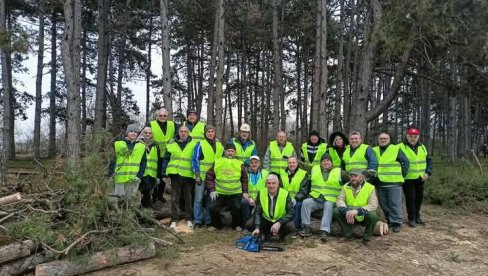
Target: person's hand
(255,233)
(425,177)
(136,180)
(294,202)
(275,228)
(370,173)
(213,195)
(251,202)
(350,216)
(198,180)
(158,181)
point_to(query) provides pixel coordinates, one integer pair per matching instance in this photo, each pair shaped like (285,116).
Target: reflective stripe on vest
(152,163)
(228,176)
(279,207)
(318,155)
(127,163)
(197,133)
(180,161)
(162,139)
(209,156)
(336,160)
(418,161)
(292,187)
(242,154)
(277,163)
(329,188)
(389,170)
(360,200)
(261,184)
(357,160)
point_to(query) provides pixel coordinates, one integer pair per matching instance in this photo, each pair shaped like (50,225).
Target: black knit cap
(230,146)
(326,156)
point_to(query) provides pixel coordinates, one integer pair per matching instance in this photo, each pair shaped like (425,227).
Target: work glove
(294,202)
(136,180)
(158,181)
(213,195)
(198,180)
(369,174)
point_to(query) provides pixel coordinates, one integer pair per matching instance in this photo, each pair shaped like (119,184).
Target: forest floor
(451,243)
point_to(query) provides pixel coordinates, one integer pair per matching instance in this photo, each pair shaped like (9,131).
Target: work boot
(324,236)
(395,228)
(419,222)
(412,223)
(197,226)
(173,226)
(306,231)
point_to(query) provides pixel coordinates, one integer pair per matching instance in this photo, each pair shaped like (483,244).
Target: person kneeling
(274,211)
(357,204)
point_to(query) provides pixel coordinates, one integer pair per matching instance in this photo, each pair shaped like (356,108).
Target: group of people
(342,177)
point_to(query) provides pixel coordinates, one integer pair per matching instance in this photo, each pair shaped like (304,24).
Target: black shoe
(305,232)
(419,222)
(197,226)
(412,223)
(396,228)
(324,237)
(366,241)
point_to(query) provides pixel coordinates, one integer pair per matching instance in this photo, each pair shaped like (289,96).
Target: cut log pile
(20,253)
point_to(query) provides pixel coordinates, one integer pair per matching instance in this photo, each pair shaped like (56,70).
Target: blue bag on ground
(248,243)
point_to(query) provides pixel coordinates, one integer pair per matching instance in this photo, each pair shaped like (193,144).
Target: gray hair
(162,110)
(272,177)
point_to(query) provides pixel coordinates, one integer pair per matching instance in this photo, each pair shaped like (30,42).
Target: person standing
(204,155)
(313,149)
(275,158)
(419,171)
(392,168)
(245,147)
(196,127)
(337,146)
(359,156)
(152,173)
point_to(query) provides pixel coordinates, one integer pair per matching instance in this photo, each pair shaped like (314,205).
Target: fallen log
(24,265)
(97,261)
(16,250)
(10,199)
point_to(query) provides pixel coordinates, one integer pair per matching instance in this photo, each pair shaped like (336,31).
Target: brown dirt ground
(450,244)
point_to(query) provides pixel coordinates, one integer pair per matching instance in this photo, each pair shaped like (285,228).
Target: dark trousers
(414,195)
(233,202)
(158,191)
(369,222)
(146,185)
(181,185)
(265,228)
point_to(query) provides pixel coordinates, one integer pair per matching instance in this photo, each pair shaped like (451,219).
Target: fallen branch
(68,248)
(166,228)
(10,199)
(160,242)
(477,161)
(97,261)
(16,250)
(26,264)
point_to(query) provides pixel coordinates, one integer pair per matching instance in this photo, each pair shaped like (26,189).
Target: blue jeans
(390,199)
(246,211)
(200,214)
(297,219)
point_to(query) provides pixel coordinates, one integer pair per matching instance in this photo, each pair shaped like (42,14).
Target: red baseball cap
(413,131)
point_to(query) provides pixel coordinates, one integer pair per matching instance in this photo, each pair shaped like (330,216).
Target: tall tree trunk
(220,70)
(320,70)
(228,94)
(305,106)
(71,62)
(277,64)
(8,97)
(102,64)
(40,65)
(167,98)
(52,93)
(212,65)
(84,66)
(337,126)
(7,94)
(148,69)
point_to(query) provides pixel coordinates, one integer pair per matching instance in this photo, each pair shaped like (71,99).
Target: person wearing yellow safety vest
(313,149)
(130,163)
(227,182)
(337,146)
(357,204)
(297,182)
(274,211)
(245,147)
(177,166)
(359,156)
(196,127)
(326,184)
(419,171)
(204,155)
(152,173)
(257,180)
(163,131)
(392,168)
(275,158)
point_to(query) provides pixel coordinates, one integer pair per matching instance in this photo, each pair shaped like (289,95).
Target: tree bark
(102,46)
(7,92)
(71,62)
(148,69)
(52,93)
(84,83)
(277,72)
(26,264)
(337,126)
(40,60)
(10,199)
(167,98)
(16,250)
(212,65)
(97,261)
(221,64)
(320,70)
